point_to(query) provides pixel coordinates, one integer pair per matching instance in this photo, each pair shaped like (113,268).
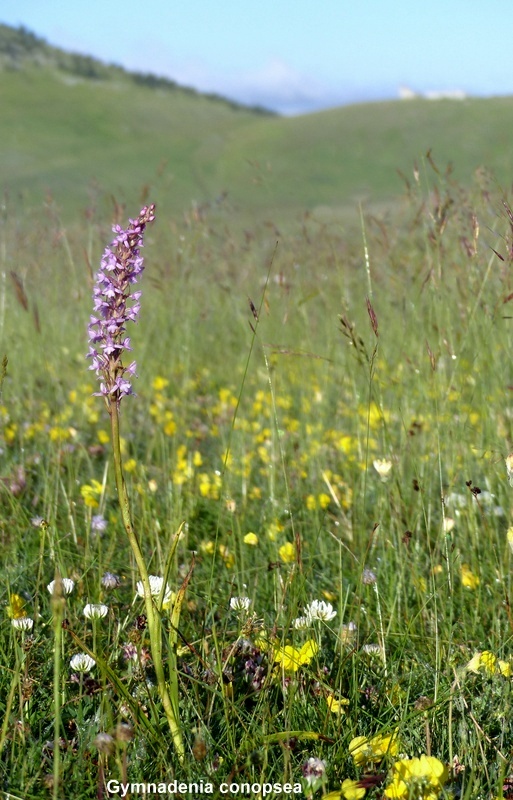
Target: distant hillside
(20,48)
(70,122)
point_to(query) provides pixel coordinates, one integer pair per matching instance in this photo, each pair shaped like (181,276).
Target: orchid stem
(152,613)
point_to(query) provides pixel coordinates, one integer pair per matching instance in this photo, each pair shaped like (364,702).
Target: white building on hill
(405,93)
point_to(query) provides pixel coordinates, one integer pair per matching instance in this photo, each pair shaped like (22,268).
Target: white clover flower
(95,610)
(314,771)
(456,501)
(320,610)
(104,742)
(240,603)
(486,498)
(67,586)
(23,623)
(371,649)
(368,577)
(110,581)
(156,583)
(301,623)
(82,663)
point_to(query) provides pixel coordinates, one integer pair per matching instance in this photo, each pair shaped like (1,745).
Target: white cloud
(281,87)
(275,85)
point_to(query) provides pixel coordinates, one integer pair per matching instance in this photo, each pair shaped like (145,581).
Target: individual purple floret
(114,304)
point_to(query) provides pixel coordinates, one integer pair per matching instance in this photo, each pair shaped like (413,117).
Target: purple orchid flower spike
(114,306)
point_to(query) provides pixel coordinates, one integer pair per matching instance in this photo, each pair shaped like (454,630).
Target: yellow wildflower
(311,502)
(365,751)
(226,397)
(89,492)
(352,790)
(58,433)
(170,424)
(207,547)
(204,484)
(337,705)
(287,553)
(264,454)
(16,607)
(273,530)
(489,663)
(347,444)
(505,668)
(291,658)
(209,486)
(10,432)
(468,579)
(227,556)
(251,539)
(420,778)
(324,500)
(159,383)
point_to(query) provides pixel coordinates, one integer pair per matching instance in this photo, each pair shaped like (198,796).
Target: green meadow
(315,456)
(73,127)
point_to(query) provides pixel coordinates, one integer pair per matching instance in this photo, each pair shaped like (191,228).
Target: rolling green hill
(70,122)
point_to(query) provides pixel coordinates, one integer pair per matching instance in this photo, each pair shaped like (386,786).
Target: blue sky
(294,56)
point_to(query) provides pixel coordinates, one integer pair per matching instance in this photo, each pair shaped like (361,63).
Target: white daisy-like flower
(240,603)
(67,586)
(23,623)
(95,610)
(82,663)
(320,610)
